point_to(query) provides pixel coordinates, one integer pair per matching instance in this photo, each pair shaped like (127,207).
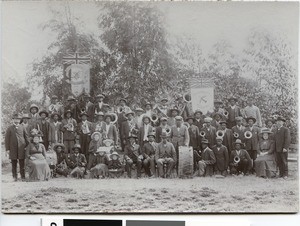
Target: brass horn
(186,124)
(187,97)
(226,113)
(236,135)
(236,159)
(168,131)
(202,134)
(248,134)
(220,133)
(154,118)
(115,117)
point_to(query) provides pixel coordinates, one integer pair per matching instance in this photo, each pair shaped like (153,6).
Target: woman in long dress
(265,165)
(36,158)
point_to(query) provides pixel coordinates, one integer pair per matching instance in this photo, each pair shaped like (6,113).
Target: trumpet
(226,113)
(236,159)
(236,135)
(187,97)
(120,110)
(154,118)
(168,131)
(115,117)
(202,134)
(247,134)
(220,133)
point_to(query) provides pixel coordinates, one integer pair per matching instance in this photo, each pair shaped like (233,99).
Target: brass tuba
(154,118)
(226,113)
(187,97)
(236,159)
(168,131)
(115,117)
(248,135)
(202,134)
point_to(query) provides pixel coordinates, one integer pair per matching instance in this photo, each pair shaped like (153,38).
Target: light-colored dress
(265,165)
(38,168)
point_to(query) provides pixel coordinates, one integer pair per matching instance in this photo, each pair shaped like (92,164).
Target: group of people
(229,140)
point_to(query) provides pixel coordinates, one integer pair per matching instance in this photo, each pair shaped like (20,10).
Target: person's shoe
(285,177)
(15,179)
(23,179)
(151,177)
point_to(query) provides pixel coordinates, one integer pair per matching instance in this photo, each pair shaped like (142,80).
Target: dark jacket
(16,139)
(222,158)
(228,140)
(282,139)
(126,128)
(252,143)
(194,137)
(210,135)
(76,161)
(132,152)
(243,156)
(149,149)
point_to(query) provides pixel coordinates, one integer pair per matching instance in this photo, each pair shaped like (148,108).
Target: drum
(185,162)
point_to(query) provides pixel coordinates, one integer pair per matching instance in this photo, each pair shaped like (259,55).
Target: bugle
(168,131)
(154,118)
(226,113)
(120,110)
(247,134)
(114,118)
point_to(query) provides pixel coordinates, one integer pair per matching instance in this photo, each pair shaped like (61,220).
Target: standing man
(122,109)
(139,117)
(98,106)
(165,154)
(162,109)
(144,130)
(222,158)
(238,130)
(148,109)
(99,122)
(282,143)
(68,128)
(128,127)
(233,112)
(228,136)
(174,112)
(133,155)
(148,151)
(16,139)
(179,134)
(44,126)
(55,106)
(72,106)
(195,139)
(253,111)
(218,109)
(199,120)
(88,107)
(210,132)
(252,142)
(54,130)
(34,116)
(162,128)
(84,130)
(109,129)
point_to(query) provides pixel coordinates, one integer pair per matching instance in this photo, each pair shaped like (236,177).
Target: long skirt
(265,166)
(38,169)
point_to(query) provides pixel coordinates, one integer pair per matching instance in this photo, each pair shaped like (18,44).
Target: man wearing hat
(269,122)
(144,130)
(128,127)
(73,107)
(162,128)
(122,109)
(239,129)
(233,112)
(77,162)
(165,154)
(68,129)
(222,157)
(99,122)
(109,129)
(98,106)
(148,151)
(34,116)
(55,106)
(199,119)
(240,161)
(206,164)
(179,134)
(148,109)
(115,166)
(162,108)
(251,144)
(55,130)
(84,130)
(96,142)
(218,109)
(194,134)
(171,120)
(253,111)
(282,142)
(16,139)
(88,106)
(139,117)
(133,155)
(61,166)
(228,136)
(24,121)
(217,118)
(210,131)
(43,125)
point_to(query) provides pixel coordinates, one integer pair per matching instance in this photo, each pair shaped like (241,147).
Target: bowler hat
(178,118)
(55,113)
(247,119)
(68,111)
(190,117)
(164,99)
(77,146)
(266,130)
(239,118)
(207,119)
(148,103)
(132,136)
(146,116)
(198,111)
(54,97)
(70,98)
(95,133)
(175,109)
(269,120)
(34,106)
(129,112)
(238,141)
(108,115)
(222,122)
(100,96)
(99,113)
(218,102)
(163,119)
(59,145)
(114,153)
(84,113)
(151,134)
(204,141)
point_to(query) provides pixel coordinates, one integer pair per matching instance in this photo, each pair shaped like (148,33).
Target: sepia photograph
(149,107)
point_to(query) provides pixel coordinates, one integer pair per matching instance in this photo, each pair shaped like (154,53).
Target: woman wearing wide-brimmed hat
(38,167)
(265,165)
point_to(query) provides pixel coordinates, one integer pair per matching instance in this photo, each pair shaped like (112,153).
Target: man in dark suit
(84,130)
(210,132)
(233,112)
(194,134)
(144,130)
(244,164)
(16,139)
(238,130)
(222,158)
(162,128)
(199,120)
(206,164)
(128,127)
(252,143)
(77,162)
(133,155)
(228,136)
(109,129)
(148,151)
(282,143)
